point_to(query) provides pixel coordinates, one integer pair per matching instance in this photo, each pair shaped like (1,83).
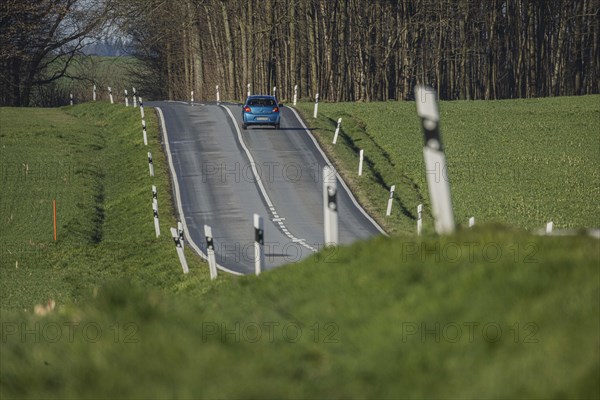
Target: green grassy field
(517,162)
(90,159)
(490,312)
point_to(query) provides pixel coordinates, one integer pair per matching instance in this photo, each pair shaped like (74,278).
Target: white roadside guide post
(142,108)
(94,93)
(144,133)
(179,247)
(549,227)
(435,160)
(259,242)
(110,95)
(155,202)
(134,98)
(361,157)
(218,95)
(155,211)
(390,201)
(248,90)
(295,94)
(71,98)
(419,219)
(337,131)
(316,105)
(150,164)
(180,233)
(126,99)
(192,97)
(330,209)
(471,222)
(274,91)
(210,252)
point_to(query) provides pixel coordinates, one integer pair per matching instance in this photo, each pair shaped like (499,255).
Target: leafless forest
(348,50)
(345,50)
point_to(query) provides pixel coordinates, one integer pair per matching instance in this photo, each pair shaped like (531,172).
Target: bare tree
(39,41)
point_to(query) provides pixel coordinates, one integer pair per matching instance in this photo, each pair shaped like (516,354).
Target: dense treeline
(345,50)
(348,50)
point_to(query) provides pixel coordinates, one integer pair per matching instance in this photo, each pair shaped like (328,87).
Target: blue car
(261,110)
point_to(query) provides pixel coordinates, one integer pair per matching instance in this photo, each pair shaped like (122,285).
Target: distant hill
(109,47)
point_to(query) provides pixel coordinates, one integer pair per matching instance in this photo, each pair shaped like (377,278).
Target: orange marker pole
(54,213)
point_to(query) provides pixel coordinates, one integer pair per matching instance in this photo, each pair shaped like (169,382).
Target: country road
(225,174)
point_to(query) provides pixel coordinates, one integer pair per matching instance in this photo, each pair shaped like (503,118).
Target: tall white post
(259,242)
(192,97)
(248,94)
(337,130)
(218,95)
(180,253)
(110,95)
(361,157)
(94,93)
(150,164)
(330,208)
(419,219)
(144,133)
(71,98)
(126,99)
(549,227)
(142,108)
(295,94)
(390,201)
(134,98)
(316,105)
(435,160)
(210,252)
(155,211)
(471,222)
(274,91)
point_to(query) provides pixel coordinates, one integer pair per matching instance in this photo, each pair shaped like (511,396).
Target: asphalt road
(225,174)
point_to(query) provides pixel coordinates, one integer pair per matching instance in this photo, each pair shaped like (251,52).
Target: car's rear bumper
(250,119)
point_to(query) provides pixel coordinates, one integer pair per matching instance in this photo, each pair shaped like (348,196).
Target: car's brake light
(247,109)
(276,109)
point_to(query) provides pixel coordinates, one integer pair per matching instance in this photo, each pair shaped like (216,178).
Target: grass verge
(91,159)
(516,162)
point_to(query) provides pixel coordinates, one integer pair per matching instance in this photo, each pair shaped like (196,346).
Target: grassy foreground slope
(485,313)
(481,314)
(517,162)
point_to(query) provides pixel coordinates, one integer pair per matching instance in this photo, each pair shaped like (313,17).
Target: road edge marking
(193,245)
(346,188)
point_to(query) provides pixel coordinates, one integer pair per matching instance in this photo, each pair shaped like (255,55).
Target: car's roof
(261,96)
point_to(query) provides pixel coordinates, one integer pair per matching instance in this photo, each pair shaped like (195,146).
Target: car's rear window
(261,102)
